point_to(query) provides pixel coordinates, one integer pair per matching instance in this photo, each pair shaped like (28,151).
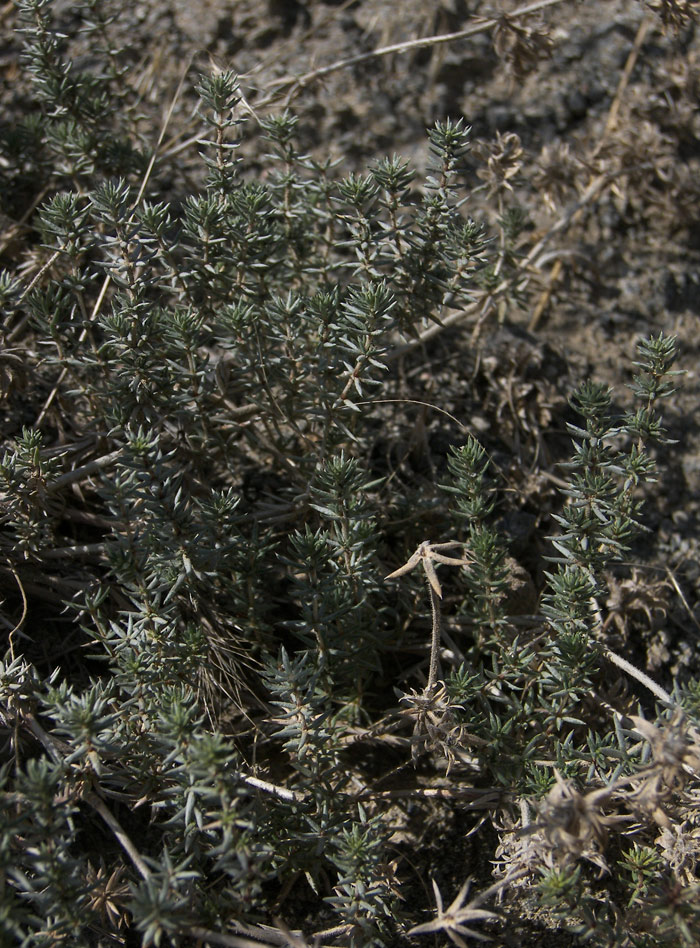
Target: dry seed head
(675,751)
(503,159)
(436,727)
(574,824)
(556,173)
(675,748)
(521,47)
(635,596)
(678,14)
(680,847)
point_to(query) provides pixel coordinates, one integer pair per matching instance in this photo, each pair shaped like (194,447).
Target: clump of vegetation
(225,695)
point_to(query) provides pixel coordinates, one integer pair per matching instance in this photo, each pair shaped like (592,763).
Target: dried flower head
(675,748)
(680,846)
(108,894)
(636,164)
(675,751)
(574,824)
(503,159)
(634,596)
(436,727)
(678,14)
(520,47)
(556,173)
(454,920)
(426,553)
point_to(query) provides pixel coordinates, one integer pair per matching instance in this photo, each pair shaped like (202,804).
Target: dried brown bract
(503,158)
(556,174)
(678,14)
(520,47)
(575,825)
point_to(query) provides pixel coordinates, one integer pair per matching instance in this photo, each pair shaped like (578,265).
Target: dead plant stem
(421,43)
(435,639)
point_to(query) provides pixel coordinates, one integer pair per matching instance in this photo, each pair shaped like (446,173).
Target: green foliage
(206,667)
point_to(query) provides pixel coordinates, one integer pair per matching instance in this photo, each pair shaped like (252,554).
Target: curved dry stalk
(425,555)
(297,82)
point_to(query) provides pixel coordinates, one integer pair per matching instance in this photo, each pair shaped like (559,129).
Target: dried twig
(297,82)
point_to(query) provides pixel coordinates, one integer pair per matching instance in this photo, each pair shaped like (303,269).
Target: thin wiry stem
(643,679)
(421,43)
(120,835)
(435,640)
(426,555)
